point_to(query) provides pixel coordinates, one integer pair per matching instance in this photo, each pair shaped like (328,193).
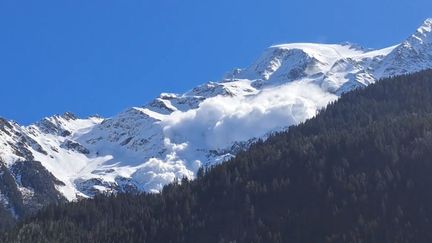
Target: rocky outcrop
(25,188)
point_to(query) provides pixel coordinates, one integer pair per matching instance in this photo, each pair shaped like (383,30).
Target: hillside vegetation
(360,171)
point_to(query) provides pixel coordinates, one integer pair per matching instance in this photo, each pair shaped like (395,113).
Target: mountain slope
(144,148)
(357,172)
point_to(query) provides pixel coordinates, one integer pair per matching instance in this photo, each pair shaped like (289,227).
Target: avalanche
(143,148)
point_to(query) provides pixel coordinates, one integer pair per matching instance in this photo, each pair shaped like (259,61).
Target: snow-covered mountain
(143,148)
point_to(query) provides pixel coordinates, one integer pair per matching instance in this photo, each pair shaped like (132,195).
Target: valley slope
(360,171)
(143,148)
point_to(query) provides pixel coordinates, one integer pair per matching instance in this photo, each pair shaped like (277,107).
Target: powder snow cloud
(221,121)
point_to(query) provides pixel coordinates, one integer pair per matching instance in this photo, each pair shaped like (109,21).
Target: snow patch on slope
(144,148)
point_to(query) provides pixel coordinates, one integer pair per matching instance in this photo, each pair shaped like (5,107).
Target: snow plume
(155,173)
(175,134)
(221,121)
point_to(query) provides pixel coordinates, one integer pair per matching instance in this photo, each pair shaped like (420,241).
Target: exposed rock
(71,145)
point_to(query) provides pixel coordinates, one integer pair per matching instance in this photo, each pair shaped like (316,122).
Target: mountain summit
(146,147)
(423,34)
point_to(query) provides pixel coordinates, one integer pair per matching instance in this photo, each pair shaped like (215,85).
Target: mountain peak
(427,25)
(148,146)
(69,116)
(425,29)
(423,35)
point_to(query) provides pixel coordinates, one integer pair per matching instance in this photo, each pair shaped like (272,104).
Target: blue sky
(102,56)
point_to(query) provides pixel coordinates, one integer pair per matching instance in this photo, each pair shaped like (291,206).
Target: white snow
(223,120)
(172,136)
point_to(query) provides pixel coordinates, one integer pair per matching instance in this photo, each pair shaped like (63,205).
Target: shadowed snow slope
(143,148)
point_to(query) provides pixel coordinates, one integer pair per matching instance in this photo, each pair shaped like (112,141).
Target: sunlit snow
(171,137)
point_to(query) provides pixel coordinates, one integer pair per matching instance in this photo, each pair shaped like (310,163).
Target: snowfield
(144,148)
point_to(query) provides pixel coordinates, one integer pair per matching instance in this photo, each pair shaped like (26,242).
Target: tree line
(360,171)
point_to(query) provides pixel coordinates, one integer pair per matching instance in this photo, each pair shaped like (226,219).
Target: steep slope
(144,148)
(357,172)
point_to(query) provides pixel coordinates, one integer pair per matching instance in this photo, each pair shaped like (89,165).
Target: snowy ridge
(144,148)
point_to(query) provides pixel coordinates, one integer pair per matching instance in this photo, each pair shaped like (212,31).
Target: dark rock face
(33,176)
(69,116)
(121,185)
(25,187)
(11,196)
(5,124)
(48,127)
(26,140)
(54,125)
(20,149)
(88,187)
(71,145)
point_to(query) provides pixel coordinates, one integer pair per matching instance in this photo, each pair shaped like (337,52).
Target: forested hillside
(360,171)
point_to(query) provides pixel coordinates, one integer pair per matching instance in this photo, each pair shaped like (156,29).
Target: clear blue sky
(102,56)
